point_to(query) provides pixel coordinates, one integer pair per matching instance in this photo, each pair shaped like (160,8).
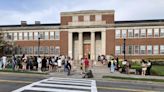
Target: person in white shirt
(59,64)
(4,60)
(39,60)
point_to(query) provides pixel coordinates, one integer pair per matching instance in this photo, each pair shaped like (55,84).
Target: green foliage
(157,70)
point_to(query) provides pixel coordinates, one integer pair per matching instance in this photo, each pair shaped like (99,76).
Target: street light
(124,37)
(38,44)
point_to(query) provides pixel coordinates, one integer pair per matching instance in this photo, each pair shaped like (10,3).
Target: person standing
(24,61)
(59,62)
(1,63)
(13,62)
(39,60)
(149,65)
(44,64)
(144,67)
(112,66)
(4,61)
(86,63)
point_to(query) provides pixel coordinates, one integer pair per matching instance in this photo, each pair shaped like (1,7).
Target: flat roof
(32,25)
(140,21)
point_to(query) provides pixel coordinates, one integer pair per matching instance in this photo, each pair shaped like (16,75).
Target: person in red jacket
(86,63)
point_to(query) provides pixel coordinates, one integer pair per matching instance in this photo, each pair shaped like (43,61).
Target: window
(8,36)
(142,49)
(51,35)
(30,50)
(130,49)
(136,49)
(35,50)
(136,33)
(75,18)
(162,33)
(15,36)
(161,49)
(35,35)
(149,32)
(143,33)
(51,49)
(41,34)
(130,33)
(98,18)
(123,33)
(117,50)
(156,32)
(25,36)
(118,34)
(41,50)
(156,49)
(46,35)
(86,18)
(46,50)
(30,35)
(20,36)
(57,50)
(149,49)
(57,35)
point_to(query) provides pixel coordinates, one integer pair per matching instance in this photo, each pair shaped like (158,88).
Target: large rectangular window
(57,50)
(149,49)
(130,49)
(162,33)
(156,32)
(51,35)
(36,50)
(136,33)
(25,36)
(98,18)
(75,18)
(35,35)
(20,36)
(118,34)
(41,34)
(51,49)
(15,36)
(156,49)
(142,49)
(130,33)
(161,49)
(149,32)
(57,35)
(124,33)
(9,36)
(46,50)
(117,50)
(30,35)
(143,33)
(136,49)
(46,35)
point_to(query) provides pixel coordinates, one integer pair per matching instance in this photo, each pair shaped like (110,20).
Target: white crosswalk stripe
(54,84)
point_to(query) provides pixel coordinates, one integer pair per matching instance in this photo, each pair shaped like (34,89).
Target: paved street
(10,82)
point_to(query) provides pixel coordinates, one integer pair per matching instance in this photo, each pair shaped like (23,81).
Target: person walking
(68,67)
(149,65)
(4,61)
(112,66)
(59,62)
(24,61)
(39,60)
(1,63)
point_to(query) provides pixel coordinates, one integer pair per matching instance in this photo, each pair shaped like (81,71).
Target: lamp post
(38,44)
(124,37)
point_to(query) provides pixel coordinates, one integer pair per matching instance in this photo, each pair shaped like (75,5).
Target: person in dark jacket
(68,67)
(44,64)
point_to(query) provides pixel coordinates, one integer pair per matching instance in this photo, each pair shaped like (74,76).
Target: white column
(103,42)
(70,50)
(80,45)
(92,45)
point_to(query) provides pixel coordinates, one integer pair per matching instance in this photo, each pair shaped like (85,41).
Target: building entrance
(87,51)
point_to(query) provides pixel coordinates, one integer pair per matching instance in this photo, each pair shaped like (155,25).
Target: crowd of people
(38,63)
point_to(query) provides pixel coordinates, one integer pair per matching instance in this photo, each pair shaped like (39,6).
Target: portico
(86,44)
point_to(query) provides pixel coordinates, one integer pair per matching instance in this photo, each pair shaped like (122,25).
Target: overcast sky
(48,11)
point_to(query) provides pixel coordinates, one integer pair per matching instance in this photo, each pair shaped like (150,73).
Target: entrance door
(87,50)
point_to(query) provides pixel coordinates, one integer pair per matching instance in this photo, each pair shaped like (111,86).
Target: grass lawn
(157,70)
(20,71)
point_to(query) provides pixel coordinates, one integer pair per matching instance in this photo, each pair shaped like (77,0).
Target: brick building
(89,33)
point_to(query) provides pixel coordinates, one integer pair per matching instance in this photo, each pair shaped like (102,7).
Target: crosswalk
(55,84)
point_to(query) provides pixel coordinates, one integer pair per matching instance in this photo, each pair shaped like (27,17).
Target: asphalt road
(9,82)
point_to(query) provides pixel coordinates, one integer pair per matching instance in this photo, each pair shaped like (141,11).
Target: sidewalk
(99,71)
